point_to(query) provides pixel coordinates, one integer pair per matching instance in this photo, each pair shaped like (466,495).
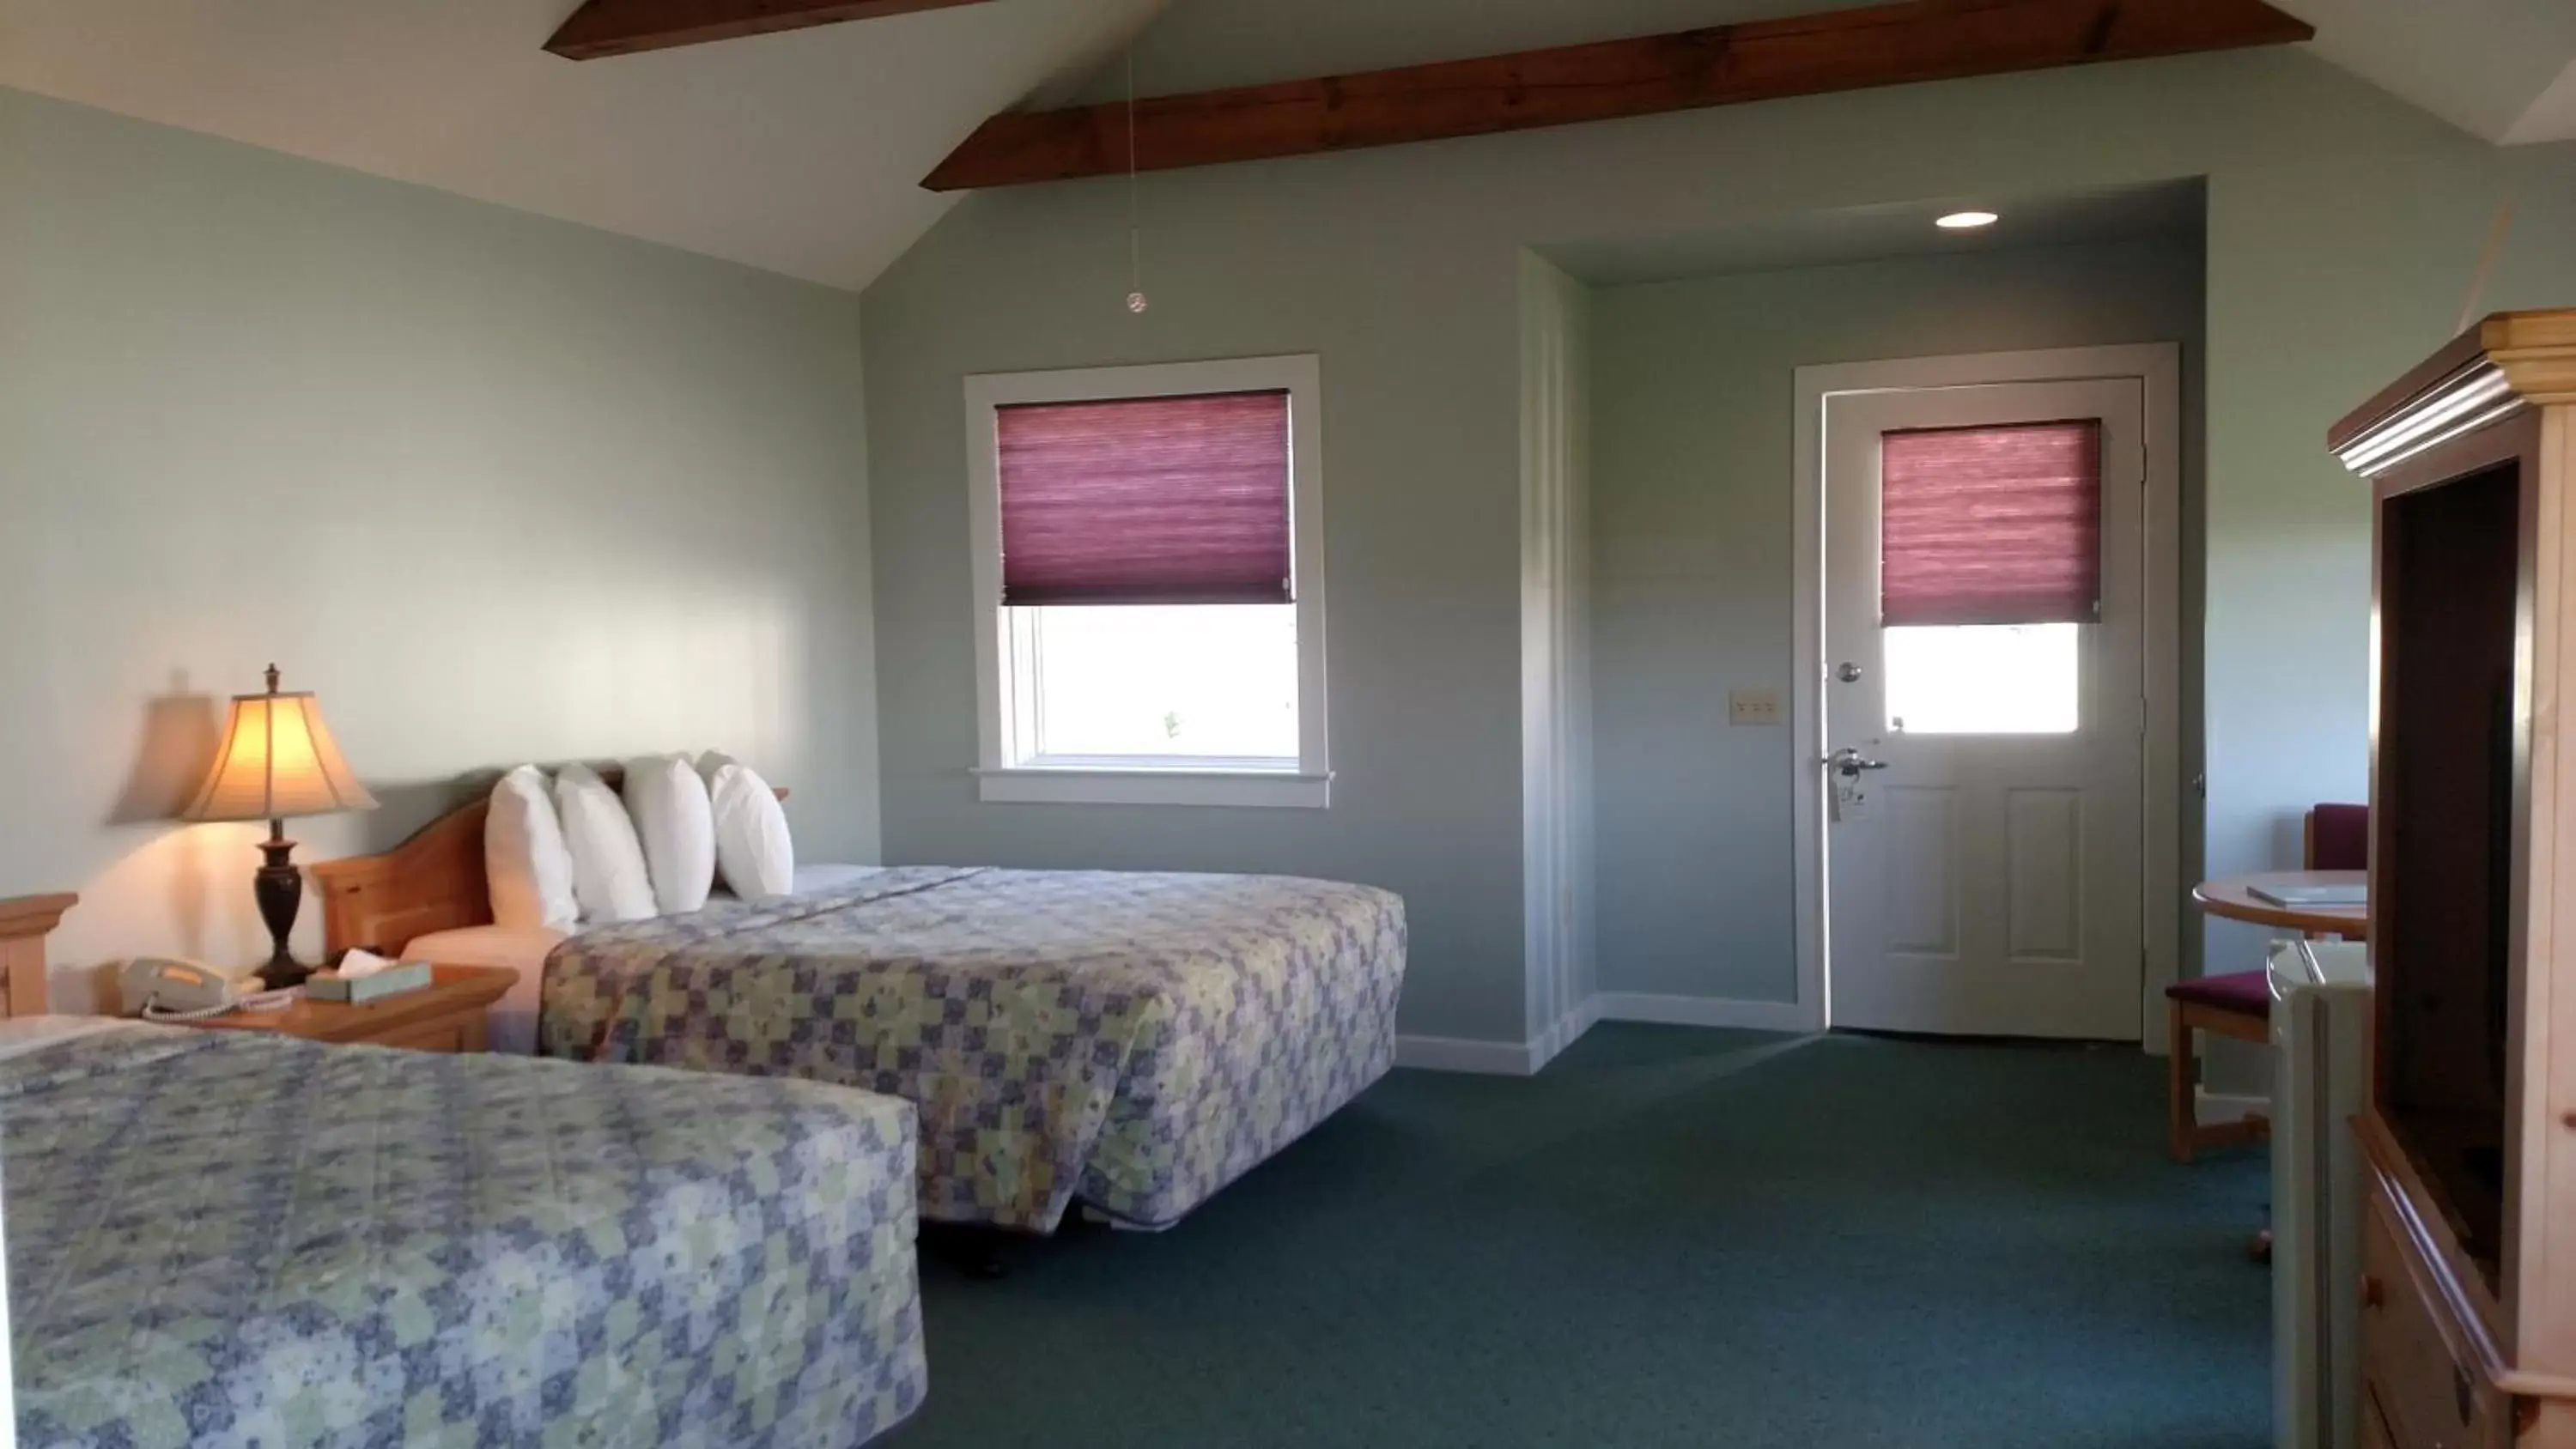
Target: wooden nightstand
(446,1016)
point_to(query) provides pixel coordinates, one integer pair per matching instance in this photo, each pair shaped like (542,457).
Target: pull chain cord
(1136,302)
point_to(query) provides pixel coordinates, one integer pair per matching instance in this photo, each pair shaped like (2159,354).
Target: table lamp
(277,761)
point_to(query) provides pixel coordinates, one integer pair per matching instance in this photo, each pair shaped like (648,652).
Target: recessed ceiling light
(1966,220)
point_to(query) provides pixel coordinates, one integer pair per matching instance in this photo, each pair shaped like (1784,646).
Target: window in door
(1148,574)
(1990,544)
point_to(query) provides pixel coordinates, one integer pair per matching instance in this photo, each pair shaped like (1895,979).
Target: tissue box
(358,990)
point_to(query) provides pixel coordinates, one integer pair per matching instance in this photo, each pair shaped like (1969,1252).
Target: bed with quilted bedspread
(1131,1041)
(220,1238)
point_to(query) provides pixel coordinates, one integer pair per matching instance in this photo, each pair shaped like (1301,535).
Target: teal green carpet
(1672,1237)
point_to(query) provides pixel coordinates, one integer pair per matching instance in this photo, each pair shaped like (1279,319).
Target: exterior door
(1985,723)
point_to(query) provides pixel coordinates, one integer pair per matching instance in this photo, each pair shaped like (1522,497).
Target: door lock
(1849,762)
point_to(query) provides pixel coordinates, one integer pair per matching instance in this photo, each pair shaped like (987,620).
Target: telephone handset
(158,988)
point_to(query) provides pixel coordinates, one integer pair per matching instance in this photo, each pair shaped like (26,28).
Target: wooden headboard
(431,882)
(24,924)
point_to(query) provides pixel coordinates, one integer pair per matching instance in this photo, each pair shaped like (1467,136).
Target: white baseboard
(1524,1059)
(1568,1030)
(1703,1011)
(1457,1054)
(2212,1108)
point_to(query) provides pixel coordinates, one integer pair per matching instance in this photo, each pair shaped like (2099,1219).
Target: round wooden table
(2233,898)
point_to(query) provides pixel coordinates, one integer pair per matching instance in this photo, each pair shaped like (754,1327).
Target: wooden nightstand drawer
(461,1033)
(445,1016)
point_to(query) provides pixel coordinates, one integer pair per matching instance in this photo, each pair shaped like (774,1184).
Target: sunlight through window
(1177,682)
(1984,679)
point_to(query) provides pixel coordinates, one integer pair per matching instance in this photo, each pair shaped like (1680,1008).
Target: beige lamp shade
(278,760)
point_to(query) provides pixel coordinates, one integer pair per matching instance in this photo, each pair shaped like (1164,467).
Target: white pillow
(753,848)
(668,803)
(608,875)
(524,857)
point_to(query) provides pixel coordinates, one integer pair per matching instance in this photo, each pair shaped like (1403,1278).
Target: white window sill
(1090,785)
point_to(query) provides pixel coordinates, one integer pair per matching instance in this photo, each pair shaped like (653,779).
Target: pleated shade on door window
(1991,525)
(1163,500)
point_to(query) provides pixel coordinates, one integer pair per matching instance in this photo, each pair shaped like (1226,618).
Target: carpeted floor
(1672,1237)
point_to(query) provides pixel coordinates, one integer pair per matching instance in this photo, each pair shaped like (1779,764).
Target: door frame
(2157,365)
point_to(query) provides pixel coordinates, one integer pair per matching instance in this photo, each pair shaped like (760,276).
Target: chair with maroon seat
(2239,1003)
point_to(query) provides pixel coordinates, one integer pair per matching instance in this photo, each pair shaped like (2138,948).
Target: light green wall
(498,488)
(2343,227)
(1693,388)
(1421,468)
(2325,282)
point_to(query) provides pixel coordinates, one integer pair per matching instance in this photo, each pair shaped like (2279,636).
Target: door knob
(1850,762)
(1848,673)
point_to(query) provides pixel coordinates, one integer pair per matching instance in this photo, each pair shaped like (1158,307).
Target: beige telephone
(159,988)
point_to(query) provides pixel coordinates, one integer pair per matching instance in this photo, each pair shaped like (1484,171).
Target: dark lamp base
(280,889)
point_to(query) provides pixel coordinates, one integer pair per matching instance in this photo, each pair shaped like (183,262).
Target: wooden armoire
(2469,1220)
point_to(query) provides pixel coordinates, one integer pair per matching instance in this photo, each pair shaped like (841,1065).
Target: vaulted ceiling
(802,152)
(2501,69)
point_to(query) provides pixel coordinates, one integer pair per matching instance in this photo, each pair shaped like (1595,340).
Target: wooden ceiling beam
(602,28)
(1839,50)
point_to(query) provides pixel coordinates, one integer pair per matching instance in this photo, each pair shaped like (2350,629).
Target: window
(1990,565)
(1984,679)
(1149,589)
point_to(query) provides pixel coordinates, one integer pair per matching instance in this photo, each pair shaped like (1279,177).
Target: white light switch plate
(1753,707)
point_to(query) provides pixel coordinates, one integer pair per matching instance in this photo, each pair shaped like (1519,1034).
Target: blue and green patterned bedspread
(1131,1041)
(227,1239)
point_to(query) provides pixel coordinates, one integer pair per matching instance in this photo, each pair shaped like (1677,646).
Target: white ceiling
(2486,66)
(2553,116)
(802,152)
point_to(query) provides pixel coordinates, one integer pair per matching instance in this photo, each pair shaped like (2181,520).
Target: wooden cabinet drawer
(2424,1396)
(447,1034)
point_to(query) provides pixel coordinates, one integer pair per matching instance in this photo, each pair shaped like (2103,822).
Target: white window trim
(1002,719)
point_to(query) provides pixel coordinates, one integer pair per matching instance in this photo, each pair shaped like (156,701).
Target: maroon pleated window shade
(1991,525)
(1161,500)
